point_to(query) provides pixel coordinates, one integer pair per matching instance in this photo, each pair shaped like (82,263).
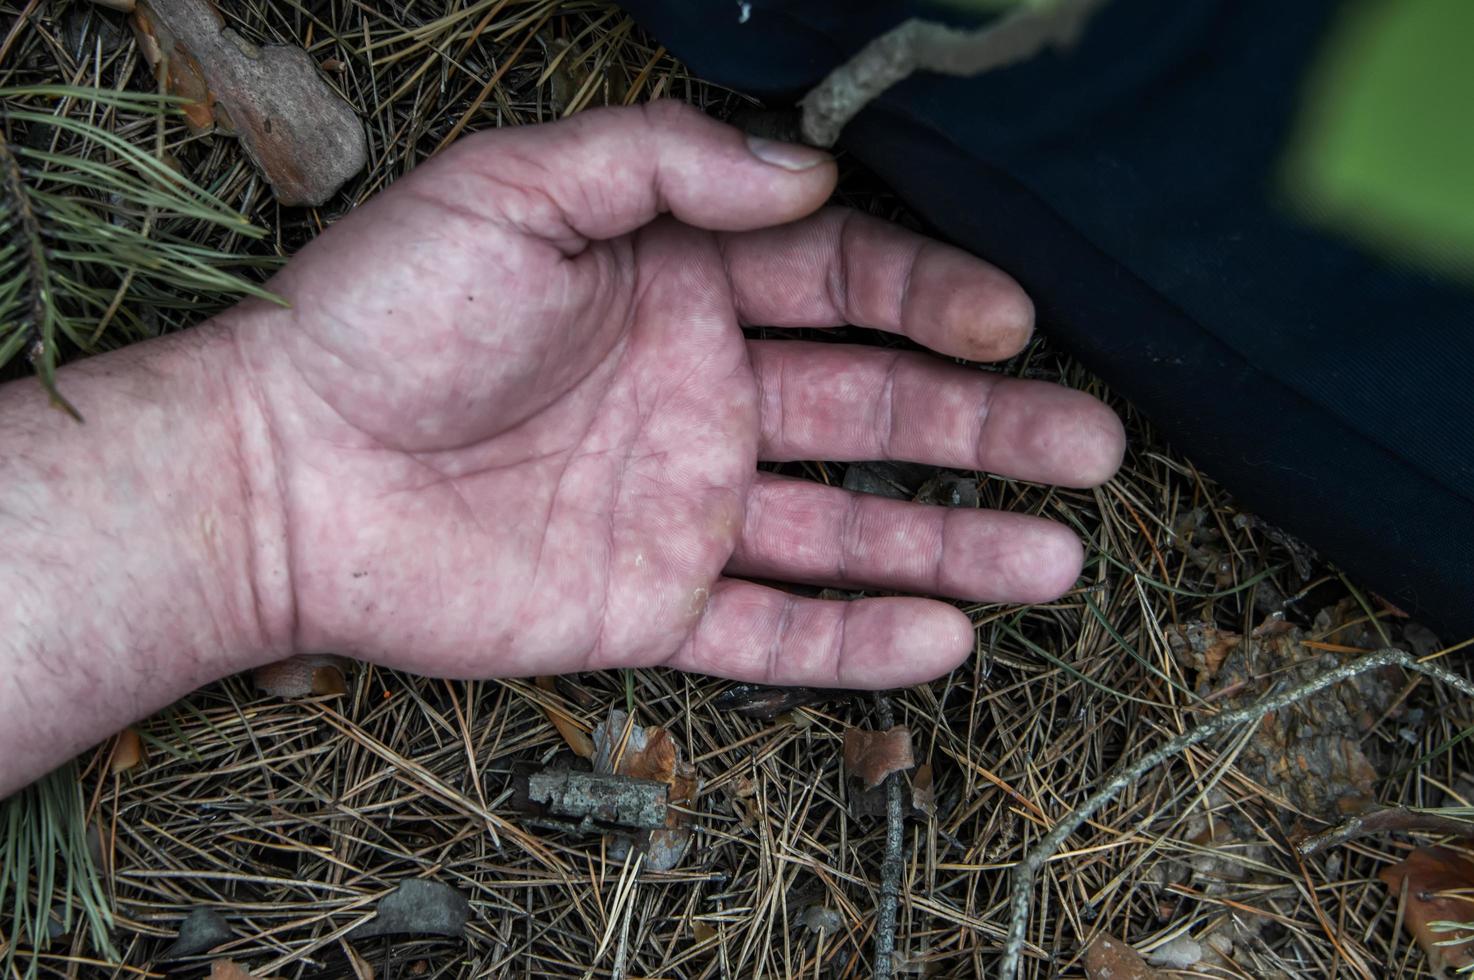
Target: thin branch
(30,229)
(893,865)
(1389,820)
(1022,894)
(922,45)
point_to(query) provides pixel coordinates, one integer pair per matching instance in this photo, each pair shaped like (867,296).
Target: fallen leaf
(872,756)
(127,751)
(1439,885)
(648,753)
(418,906)
(303,136)
(302,676)
(1107,958)
(923,793)
(203,929)
(578,740)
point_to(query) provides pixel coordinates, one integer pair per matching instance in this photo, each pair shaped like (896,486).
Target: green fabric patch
(1384,148)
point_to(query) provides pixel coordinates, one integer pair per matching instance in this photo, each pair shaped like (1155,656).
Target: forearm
(139,552)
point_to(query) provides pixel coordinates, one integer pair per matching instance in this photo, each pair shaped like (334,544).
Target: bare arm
(127,562)
(511,425)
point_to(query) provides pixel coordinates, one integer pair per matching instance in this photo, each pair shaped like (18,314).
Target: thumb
(606,172)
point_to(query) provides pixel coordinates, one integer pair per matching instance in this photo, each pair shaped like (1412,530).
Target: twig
(922,45)
(893,865)
(1396,818)
(1022,893)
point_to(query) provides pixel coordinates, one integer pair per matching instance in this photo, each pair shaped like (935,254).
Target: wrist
(140,560)
(268,617)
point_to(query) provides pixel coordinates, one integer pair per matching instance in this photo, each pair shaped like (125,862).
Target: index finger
(845,267)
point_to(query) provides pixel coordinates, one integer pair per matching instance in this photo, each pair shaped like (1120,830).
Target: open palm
(516,425)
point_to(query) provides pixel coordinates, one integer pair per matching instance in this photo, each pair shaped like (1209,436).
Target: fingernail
(789,156)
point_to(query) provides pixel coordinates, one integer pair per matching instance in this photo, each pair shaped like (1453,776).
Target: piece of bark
(306,140)
(604,801)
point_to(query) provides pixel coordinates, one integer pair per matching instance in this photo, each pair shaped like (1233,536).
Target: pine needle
(87,219)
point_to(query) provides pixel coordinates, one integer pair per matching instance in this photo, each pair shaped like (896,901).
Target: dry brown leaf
(1107,958)
(923,793)
(872,756)
(578,740)
(649,753)
(1440,888)
(127,751)
(328,681)
(302,676)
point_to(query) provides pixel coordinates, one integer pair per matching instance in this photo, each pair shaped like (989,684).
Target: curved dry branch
(1022,893)
(922,45)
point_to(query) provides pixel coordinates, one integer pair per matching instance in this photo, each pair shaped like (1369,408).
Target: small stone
(203,929)
(823,920)
(419,906)
(1176,954)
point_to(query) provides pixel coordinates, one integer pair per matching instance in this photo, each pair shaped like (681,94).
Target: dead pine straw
(292,819)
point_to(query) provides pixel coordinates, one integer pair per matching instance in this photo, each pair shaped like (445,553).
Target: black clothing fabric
(1128,185)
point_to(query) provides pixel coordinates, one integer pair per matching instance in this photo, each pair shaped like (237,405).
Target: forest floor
(293,818)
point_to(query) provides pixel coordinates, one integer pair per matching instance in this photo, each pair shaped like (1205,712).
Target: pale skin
(510,425)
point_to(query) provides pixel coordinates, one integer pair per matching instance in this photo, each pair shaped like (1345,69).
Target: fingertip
(977,311)
(1058,559)
(1102,445)
(908,641)
(956,638)
(1003,324)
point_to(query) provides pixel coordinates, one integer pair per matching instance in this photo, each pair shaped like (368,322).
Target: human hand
(512,426)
